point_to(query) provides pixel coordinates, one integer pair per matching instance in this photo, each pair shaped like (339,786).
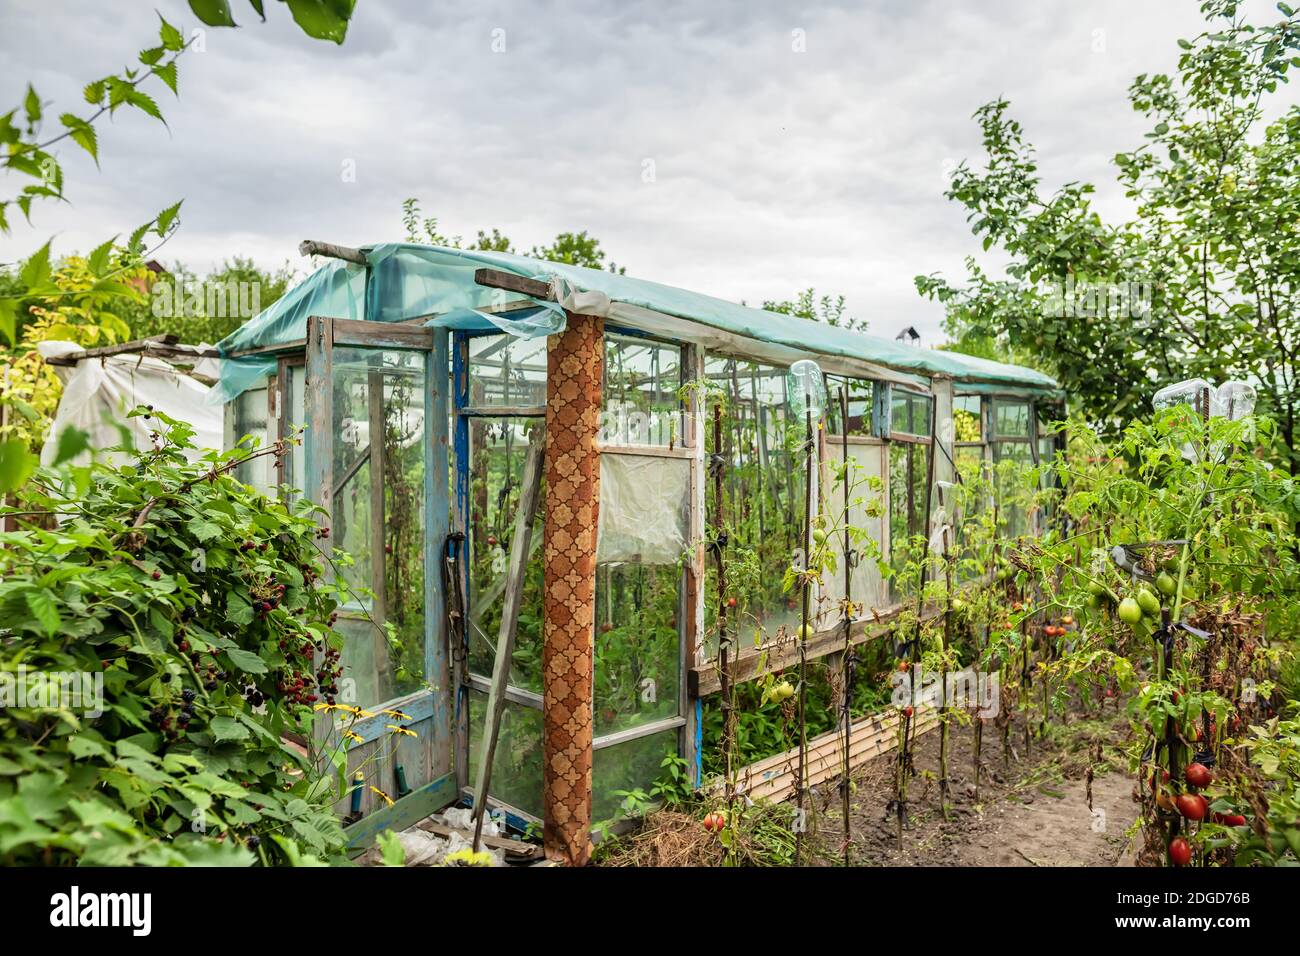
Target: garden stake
(847,664)
(724,641)
(803,629)
(904,755)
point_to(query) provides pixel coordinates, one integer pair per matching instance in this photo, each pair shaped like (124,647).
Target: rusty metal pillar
(574,365)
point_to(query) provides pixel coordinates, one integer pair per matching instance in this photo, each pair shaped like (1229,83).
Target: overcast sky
(790,145)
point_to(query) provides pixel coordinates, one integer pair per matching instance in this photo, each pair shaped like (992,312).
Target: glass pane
(634,765)
(498,450)
(968,425)
(1011,461)
(861,396)
(517,762)
(378,514)
(1010,419)
(909,413)
(908,465)
(505,370)
(295,417)
(638,648)
(251,421)
(641,403)
(763,490)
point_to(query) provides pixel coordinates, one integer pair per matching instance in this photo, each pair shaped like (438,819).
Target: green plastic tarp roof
(409,280)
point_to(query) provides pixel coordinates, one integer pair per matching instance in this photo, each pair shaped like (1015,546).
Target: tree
(826,309)
(1200,282)
(576,249)
(100,287)
(571,248)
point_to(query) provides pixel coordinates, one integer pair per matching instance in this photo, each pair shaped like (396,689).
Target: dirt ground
(1032,809)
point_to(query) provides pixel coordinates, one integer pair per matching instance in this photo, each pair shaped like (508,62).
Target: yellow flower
(387,799)
(401,730)
(355,737)
(467,857)
(395,714)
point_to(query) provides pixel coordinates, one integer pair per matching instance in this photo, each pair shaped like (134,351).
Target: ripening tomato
(1192,805)
(1180,851)
(1198,775)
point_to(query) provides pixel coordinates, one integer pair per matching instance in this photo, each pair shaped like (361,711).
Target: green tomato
(1166,584)
(819,536)
(1130,612)
(1148,602)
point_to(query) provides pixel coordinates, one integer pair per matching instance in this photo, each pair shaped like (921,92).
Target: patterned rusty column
(574,364)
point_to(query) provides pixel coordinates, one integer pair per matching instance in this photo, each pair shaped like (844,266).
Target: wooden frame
(435,784)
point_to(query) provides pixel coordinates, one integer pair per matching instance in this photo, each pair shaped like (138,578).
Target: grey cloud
(775,169)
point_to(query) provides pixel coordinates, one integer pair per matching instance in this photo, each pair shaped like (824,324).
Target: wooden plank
(437,507)
(310,247)
(525,517)
(774,778)
(167,342)
(404,813)
(650,451)
(394,335)
(497,279)
(751,663)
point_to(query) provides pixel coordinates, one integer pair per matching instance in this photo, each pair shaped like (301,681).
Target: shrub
(195,604)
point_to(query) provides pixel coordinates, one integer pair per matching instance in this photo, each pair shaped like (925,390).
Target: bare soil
(1031,810)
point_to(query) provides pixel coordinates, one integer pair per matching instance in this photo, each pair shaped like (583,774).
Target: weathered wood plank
(525,517)
(497,279)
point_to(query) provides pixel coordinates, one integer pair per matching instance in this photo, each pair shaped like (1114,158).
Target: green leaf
(323,19)
(82,746)
(167,73)
(167,217)
(99,257)
(246,661)
(72,442)
(36,270)
(203,529)
(391,850)
(16,465)
(171,38)
(82,133)
(8,316)
(145,103)
(94,93)
(215,13)
(32,106)
(227,728)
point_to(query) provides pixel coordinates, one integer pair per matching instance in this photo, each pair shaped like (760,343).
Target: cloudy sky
(746,149)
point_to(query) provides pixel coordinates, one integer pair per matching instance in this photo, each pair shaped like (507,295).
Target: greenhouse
(543,475)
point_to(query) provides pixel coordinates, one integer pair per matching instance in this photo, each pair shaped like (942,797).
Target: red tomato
(1180,851)
(1198,775)
(1192,805)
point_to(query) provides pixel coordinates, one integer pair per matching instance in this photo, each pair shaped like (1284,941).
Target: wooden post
(574,368)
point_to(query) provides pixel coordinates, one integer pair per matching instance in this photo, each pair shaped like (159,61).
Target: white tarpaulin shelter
(99,391)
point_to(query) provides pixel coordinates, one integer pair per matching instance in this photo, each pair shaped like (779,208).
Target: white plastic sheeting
(99,392)
(643,509)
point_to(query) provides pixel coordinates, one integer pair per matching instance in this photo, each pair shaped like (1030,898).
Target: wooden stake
(525,517)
